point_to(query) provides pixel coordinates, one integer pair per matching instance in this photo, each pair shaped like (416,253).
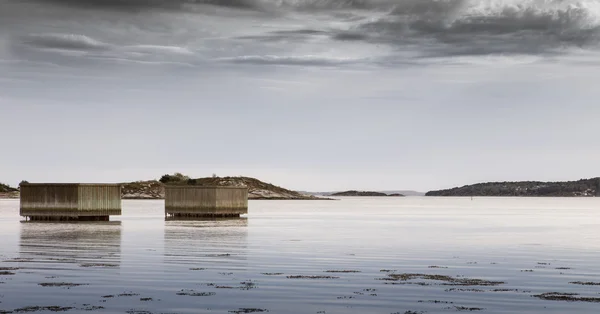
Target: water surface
(346,256)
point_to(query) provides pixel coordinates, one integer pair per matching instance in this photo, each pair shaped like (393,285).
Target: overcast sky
(312,95)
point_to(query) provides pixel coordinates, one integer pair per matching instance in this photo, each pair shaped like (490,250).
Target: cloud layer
(282,31)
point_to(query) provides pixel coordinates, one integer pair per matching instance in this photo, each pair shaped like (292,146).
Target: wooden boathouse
(70,201)
(205,201)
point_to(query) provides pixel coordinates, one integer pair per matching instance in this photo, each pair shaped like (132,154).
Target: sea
(402,255)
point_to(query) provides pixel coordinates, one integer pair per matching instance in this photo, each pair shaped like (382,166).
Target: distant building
(202,201)
(70,201)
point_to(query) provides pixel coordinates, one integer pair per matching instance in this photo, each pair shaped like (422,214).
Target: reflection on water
(203,243)
(49,245)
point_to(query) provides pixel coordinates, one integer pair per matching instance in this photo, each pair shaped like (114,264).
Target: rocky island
(583,187)
(363,193)
(7,191)
(154,189)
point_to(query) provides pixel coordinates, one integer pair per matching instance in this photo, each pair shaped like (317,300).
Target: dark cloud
(350,36)
(459,27)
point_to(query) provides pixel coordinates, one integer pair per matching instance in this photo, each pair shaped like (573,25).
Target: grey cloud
(286,35)
(350,36)
(67,45)
(289,60)
(65,41)
(151,4)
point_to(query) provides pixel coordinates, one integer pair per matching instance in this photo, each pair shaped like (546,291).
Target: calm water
(140,263)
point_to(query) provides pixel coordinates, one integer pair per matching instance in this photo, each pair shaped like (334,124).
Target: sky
(313,95)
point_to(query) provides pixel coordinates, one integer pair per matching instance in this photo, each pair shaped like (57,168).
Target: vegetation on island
(363,193)
(583,187)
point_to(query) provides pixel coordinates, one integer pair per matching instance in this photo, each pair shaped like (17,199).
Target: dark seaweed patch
(92,308)
(146,299)
(464,308)
(6,273)
(569,297)
(52,308)
(197,268)
(464,290)
(128,294)
(342,271)
(437,266)
(272,274)
(248,310)
(435,301)
(193,293)
(448,280)
(99,265)
(62,284)
(311,277)
(247,285)
(586,283)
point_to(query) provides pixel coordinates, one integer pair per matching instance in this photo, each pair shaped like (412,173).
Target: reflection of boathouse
(58,245)
(70,201)
(203,201)
(199,243)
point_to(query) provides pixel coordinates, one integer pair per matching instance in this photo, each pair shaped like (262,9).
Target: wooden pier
(70,201)
(201,201)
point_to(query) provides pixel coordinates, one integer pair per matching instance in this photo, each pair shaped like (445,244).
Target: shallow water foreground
(357,255)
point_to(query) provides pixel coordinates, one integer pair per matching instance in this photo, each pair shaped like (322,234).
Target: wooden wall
(206,201)
(70,199)
(99,200)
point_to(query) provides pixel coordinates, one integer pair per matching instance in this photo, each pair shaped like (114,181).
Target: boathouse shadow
(206,242)
(66,245)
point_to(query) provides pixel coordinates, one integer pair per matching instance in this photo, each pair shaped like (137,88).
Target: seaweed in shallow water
(193,293)
(569,297)
(248,310)
(61,284)
(448,280)
(52,308)
(585,283)
(311,277)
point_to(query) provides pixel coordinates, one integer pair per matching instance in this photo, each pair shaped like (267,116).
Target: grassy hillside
(154,189)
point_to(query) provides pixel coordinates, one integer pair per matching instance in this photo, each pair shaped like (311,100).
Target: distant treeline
(583,187)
